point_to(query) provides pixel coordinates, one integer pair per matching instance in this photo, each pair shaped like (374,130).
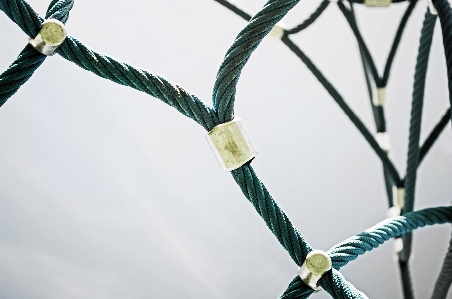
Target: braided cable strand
(351,248)
(415,121)
(29,59)
(19,72)
(334,283)
(224,93)
(392,171)
(125,74)
(396,42)
(275,218)
(23,15)
(445,17)
(238,54)
(444,280)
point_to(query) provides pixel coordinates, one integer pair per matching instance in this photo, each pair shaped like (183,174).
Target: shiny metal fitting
(316,264)
(432,7)
(380,96)
(51,35)
(231,144)
(383,141)
(393,212)
(278,30)
(377,3)
(398,195)
(398,247)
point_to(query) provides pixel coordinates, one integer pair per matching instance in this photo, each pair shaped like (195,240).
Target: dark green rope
(434,134)
(306,23)
(224,93)
(444,280)
(238,54)
(347,110)
(415,122)
(29,59)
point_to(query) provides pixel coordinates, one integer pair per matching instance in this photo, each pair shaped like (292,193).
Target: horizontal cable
(355,246)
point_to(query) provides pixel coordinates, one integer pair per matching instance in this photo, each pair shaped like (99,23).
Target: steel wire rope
(445,16)
(242,182)
(444,279)
(348,250)
(415,124)
(378,111)
(29,59)
(255,191)
(380,81)
(388,164)
(310,20)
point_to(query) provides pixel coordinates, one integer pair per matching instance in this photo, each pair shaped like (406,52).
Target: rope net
(223,98)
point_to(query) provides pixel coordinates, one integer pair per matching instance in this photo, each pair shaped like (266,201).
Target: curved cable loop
(238,54)
(125,74)
(29,59)
(350,17)
(396,42)
(415,120)
(311,19)
(297,28)
(236,9)
(104,66)
(350,249)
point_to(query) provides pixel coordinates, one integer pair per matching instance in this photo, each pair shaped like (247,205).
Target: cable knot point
(316,264)
(231,144)
(51,35)
(278,30)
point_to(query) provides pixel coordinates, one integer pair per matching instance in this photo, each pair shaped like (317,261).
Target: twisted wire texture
(444,280)
(350,249)
(29,59)
(275,218)
(238,54)
(415,121)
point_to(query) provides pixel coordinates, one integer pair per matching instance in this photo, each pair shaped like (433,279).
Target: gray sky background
(106,192)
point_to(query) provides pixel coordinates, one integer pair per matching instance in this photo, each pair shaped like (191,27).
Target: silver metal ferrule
(316,264)
(231,144)
(377,3)
(398,196)
(51,35)
(278,30)
(384,141)
(380,96)
(432,7)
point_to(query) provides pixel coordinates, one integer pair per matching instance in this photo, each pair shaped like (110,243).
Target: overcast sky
(106,192)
